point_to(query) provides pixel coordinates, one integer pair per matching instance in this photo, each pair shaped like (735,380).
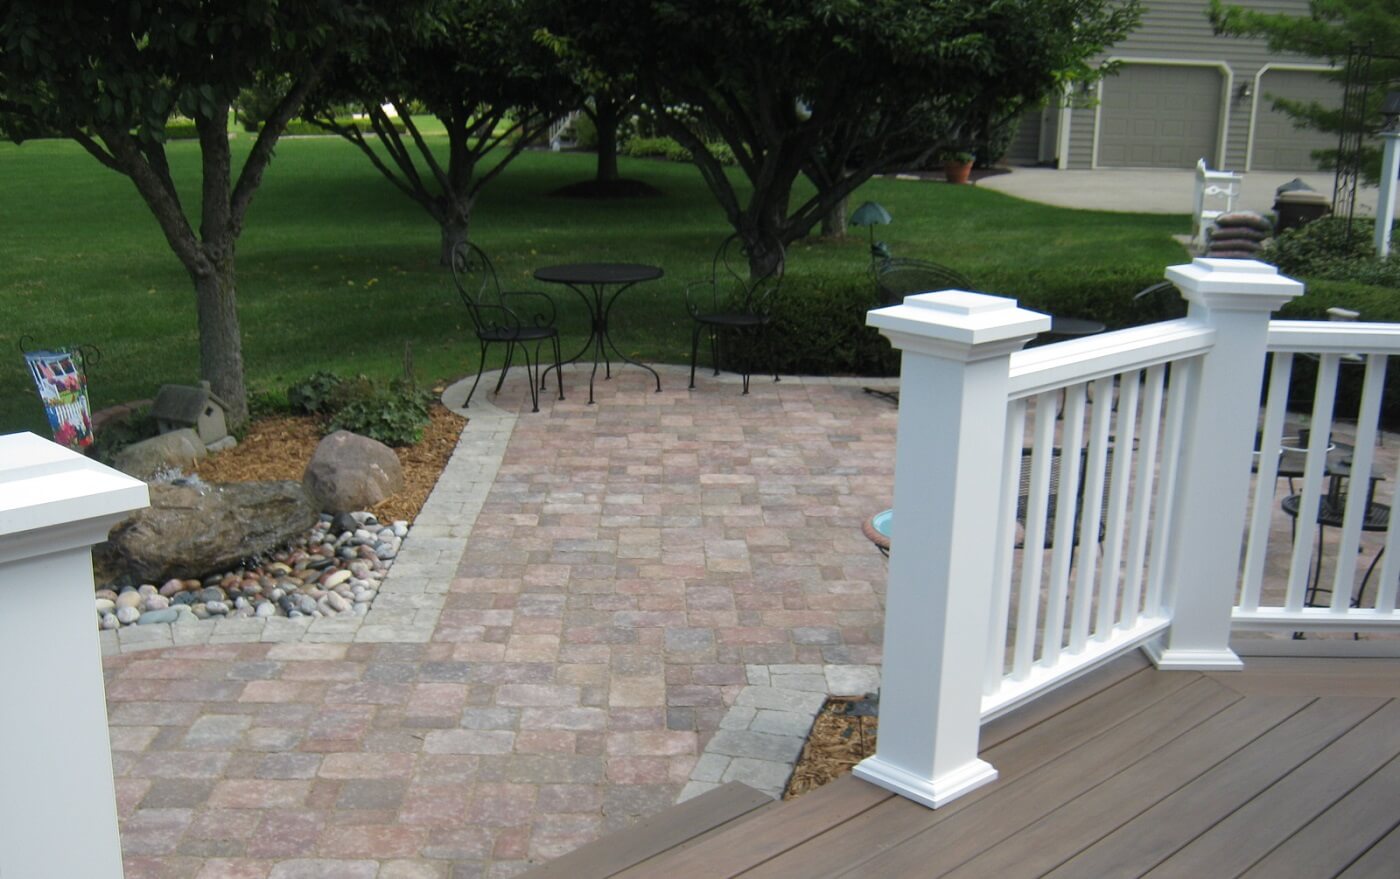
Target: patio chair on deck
(497,317)
(729,299)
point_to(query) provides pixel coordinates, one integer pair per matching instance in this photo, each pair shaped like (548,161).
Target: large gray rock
(351,472)
(178,449)
(184,533)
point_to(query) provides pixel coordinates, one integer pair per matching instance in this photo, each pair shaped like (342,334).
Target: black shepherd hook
(90,355)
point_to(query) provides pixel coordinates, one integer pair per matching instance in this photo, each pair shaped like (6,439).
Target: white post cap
(1234,284)
(957,323)
(44,485)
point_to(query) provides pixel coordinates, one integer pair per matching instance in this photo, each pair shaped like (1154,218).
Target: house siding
(1179,31)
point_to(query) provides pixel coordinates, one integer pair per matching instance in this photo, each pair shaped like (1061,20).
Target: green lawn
(338,270)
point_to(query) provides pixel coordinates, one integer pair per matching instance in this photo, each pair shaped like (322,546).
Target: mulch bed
(842,735)
(279,447)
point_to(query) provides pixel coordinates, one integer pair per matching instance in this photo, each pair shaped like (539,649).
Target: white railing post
(58,812)
(948,460)
(1234,297)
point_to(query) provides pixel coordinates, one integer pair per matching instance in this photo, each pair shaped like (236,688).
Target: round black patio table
(591,280)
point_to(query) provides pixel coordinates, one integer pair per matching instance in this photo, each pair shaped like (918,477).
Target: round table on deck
(591,281)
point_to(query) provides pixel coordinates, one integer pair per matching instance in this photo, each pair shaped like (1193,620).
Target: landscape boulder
(351,472)
(188,533)
(178,449)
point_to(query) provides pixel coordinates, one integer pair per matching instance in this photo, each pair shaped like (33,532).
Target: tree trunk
(220,342)
(606,118)
(834,223)
(454,232)
(765,260)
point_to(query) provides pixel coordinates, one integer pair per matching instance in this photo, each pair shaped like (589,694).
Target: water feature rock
(184,531)
(169,615)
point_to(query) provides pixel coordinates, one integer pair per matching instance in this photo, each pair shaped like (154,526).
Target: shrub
(1323,250)
(315,394)
(394,415)
(819,319)
(585,133)
(667,148)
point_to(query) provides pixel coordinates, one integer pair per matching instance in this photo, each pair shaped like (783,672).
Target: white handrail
(1051,367)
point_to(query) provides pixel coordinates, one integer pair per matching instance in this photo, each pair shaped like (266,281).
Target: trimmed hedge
(819,320)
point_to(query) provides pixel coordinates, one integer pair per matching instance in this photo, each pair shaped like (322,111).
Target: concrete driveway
(1150,191)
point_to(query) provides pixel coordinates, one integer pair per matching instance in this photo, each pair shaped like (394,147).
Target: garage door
(1278,146)
(1160,116)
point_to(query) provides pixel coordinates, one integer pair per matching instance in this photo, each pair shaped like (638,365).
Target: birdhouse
(198,408)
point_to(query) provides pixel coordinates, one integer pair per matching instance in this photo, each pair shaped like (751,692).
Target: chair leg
(694,351)
(715,348)
(747,365)
(481,367)
(772,353)
(534,389)
(510,355)
(558,368)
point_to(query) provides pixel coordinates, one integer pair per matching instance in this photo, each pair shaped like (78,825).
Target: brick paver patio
(631,558)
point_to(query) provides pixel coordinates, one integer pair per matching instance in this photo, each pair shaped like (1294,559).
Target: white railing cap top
(1248,276)
(960,316)
(43,484)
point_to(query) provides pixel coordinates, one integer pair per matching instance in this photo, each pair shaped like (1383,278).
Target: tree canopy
(475,65)
(1329,30)
(111,75)
(837,89)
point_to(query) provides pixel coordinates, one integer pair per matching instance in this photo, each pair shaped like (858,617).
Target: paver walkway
(630,562)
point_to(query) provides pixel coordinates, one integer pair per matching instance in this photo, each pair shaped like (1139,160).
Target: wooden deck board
(1237,842)
(1160,771)
(1380,860)
(1011,807)
(893,822)
(1339,836)
(729,853)
(1290,768)
(656,834)
(1155,834)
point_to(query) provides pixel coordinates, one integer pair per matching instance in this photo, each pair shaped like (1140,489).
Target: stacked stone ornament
(1238,235)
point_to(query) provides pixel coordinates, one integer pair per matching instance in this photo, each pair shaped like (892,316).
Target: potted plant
(957,166)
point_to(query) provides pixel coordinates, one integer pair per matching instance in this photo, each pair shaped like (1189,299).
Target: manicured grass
(338,270)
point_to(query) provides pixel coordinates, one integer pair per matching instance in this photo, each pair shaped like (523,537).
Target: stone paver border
(761,736)
(411,598)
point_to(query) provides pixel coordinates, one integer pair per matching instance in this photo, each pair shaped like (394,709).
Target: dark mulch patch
(842,735)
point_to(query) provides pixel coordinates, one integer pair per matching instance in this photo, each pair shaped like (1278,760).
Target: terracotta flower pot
(957,172)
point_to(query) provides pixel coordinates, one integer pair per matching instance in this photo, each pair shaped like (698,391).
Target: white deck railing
(1291,581)
(1084,483)
(1061,505)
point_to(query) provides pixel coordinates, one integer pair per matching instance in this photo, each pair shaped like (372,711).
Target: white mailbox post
(58,811)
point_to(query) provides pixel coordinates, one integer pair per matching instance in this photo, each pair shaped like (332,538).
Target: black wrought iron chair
(517,318)
(729,299)
(899,277)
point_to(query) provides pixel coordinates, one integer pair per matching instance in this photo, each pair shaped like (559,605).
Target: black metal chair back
(731,287)
(495,320)
(900,277)
(733,299)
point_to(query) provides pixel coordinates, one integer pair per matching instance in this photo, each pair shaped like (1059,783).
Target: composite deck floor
(1287,769)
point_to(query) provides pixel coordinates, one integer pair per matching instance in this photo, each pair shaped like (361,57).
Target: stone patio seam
(763,733)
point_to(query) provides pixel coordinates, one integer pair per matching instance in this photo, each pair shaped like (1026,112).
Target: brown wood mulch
(279,447)
(840,738)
